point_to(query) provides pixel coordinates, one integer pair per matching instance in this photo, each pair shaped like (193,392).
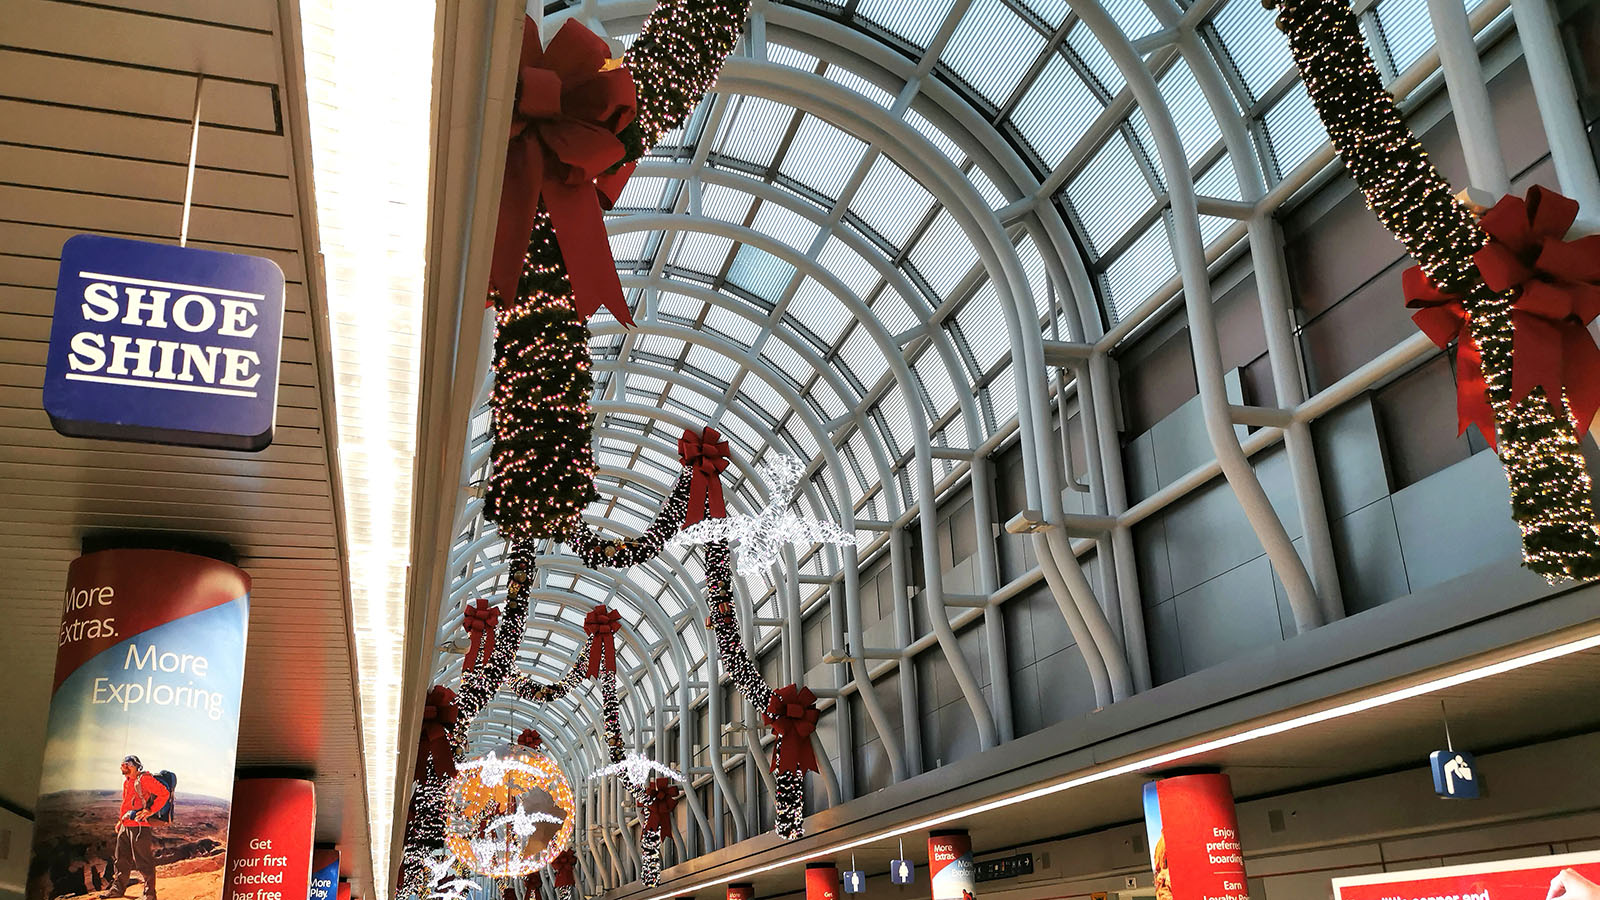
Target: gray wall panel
(1234,613)
(1366,545)
(1456,520)
(1166,645)
(1350,458)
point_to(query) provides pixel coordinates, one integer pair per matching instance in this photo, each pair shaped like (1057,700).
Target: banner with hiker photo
(135,794)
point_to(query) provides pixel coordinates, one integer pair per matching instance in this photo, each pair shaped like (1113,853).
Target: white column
(1469,96)
(1558,104)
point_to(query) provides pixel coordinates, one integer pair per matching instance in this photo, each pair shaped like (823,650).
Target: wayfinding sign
(164,344)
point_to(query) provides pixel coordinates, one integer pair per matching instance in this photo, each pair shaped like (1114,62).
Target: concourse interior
(1021,454)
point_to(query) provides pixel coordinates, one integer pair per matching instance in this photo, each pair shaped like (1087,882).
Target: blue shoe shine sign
(164,344)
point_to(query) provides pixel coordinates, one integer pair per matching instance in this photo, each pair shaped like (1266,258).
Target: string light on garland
(1550,483)
(424,834)
(597,552)
(479,685)
(762,536)
(491,826)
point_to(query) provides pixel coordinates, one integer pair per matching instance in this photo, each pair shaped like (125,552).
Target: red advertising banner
(950,869)
(344,890)
(269,847)
(822,881)
(143,728)
(1572,876)
(741,890)
(1194,838)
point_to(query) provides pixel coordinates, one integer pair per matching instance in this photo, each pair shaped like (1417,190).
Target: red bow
(508,894)
(705,455)
(438,717)
(563,865)
(792,713)
(1443,319)
(530,885)
(564,129)
(530,739)
(1557,284)
(660,799)
(479,619)
(602,624)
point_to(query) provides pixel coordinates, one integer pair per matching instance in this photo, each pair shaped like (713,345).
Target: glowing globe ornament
(499,818)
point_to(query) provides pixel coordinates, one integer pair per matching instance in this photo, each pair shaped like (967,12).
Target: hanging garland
(620,553)
(1550,485)
(543,473)
(480,683)
(424,835)
(789,710)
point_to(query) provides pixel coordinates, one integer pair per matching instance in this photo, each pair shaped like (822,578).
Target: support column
(1553,90)
(1469,96)
(994,626)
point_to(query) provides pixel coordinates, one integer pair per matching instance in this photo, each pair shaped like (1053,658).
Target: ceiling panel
(94,137)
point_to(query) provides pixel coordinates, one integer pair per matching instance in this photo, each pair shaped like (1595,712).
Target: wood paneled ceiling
(95,105)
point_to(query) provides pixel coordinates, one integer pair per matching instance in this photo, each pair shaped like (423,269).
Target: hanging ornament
(443,882)
(480,620)
(564,866)
(636,769)
(531,884)
(530,739)
(494,819)
(435,755)
(760,537)
(602,624)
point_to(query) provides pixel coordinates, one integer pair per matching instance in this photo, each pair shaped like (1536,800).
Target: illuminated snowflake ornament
(443,883)
(760,537)
(637,769)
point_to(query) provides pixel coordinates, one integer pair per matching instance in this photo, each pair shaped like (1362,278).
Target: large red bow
(508,893)
(705,455)
(1557,285)
(479,619)
(1443,319)
(530,885)
(530,739)
(602,624)
(660,799)
(563,865)
(792,713)
(569,110)
(438,717)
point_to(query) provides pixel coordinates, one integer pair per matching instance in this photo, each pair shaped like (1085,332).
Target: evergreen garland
(544,467)
(1550,484)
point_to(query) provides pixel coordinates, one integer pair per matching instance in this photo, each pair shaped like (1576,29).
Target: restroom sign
(164,344)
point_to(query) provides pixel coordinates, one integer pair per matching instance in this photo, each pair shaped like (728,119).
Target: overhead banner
(143,726)
(951,873)
(162,344)
(324,874)
(741,890)
(1575,876)
(1194,838)
(269,846)
(822,881)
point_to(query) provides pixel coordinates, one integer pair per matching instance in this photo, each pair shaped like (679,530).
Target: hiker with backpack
(145,802)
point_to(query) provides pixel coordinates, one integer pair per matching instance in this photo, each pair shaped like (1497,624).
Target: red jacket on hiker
(141,792)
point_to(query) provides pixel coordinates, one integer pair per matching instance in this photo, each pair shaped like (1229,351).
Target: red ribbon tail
(1537,347)
(594,656)
(519,205)
(1472,393)
(714,498)
(580,228)
(698,488)
(488,643)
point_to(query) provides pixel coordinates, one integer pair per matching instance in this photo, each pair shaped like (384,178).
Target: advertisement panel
(324,874)
(1573,876)
(741,890)
(822,881)
(1194,838)
(143,726)
(269,845)
(950,869)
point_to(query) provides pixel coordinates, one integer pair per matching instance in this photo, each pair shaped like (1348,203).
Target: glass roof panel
(1142,268)
(943,254)
(819,312)
(915,22)
(1055,111)
(1253,44)
(786,225)
(890,202)
(842,76)
(821,156)
(759,272)
(753,129)
(1110,194)
(1293,130)
(972,53)
(1095,58)
(1406,29)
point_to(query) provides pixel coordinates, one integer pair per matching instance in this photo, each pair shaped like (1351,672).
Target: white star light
(637,769)
(440,885)
(763,535)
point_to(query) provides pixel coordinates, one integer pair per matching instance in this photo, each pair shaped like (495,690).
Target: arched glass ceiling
(807,260)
